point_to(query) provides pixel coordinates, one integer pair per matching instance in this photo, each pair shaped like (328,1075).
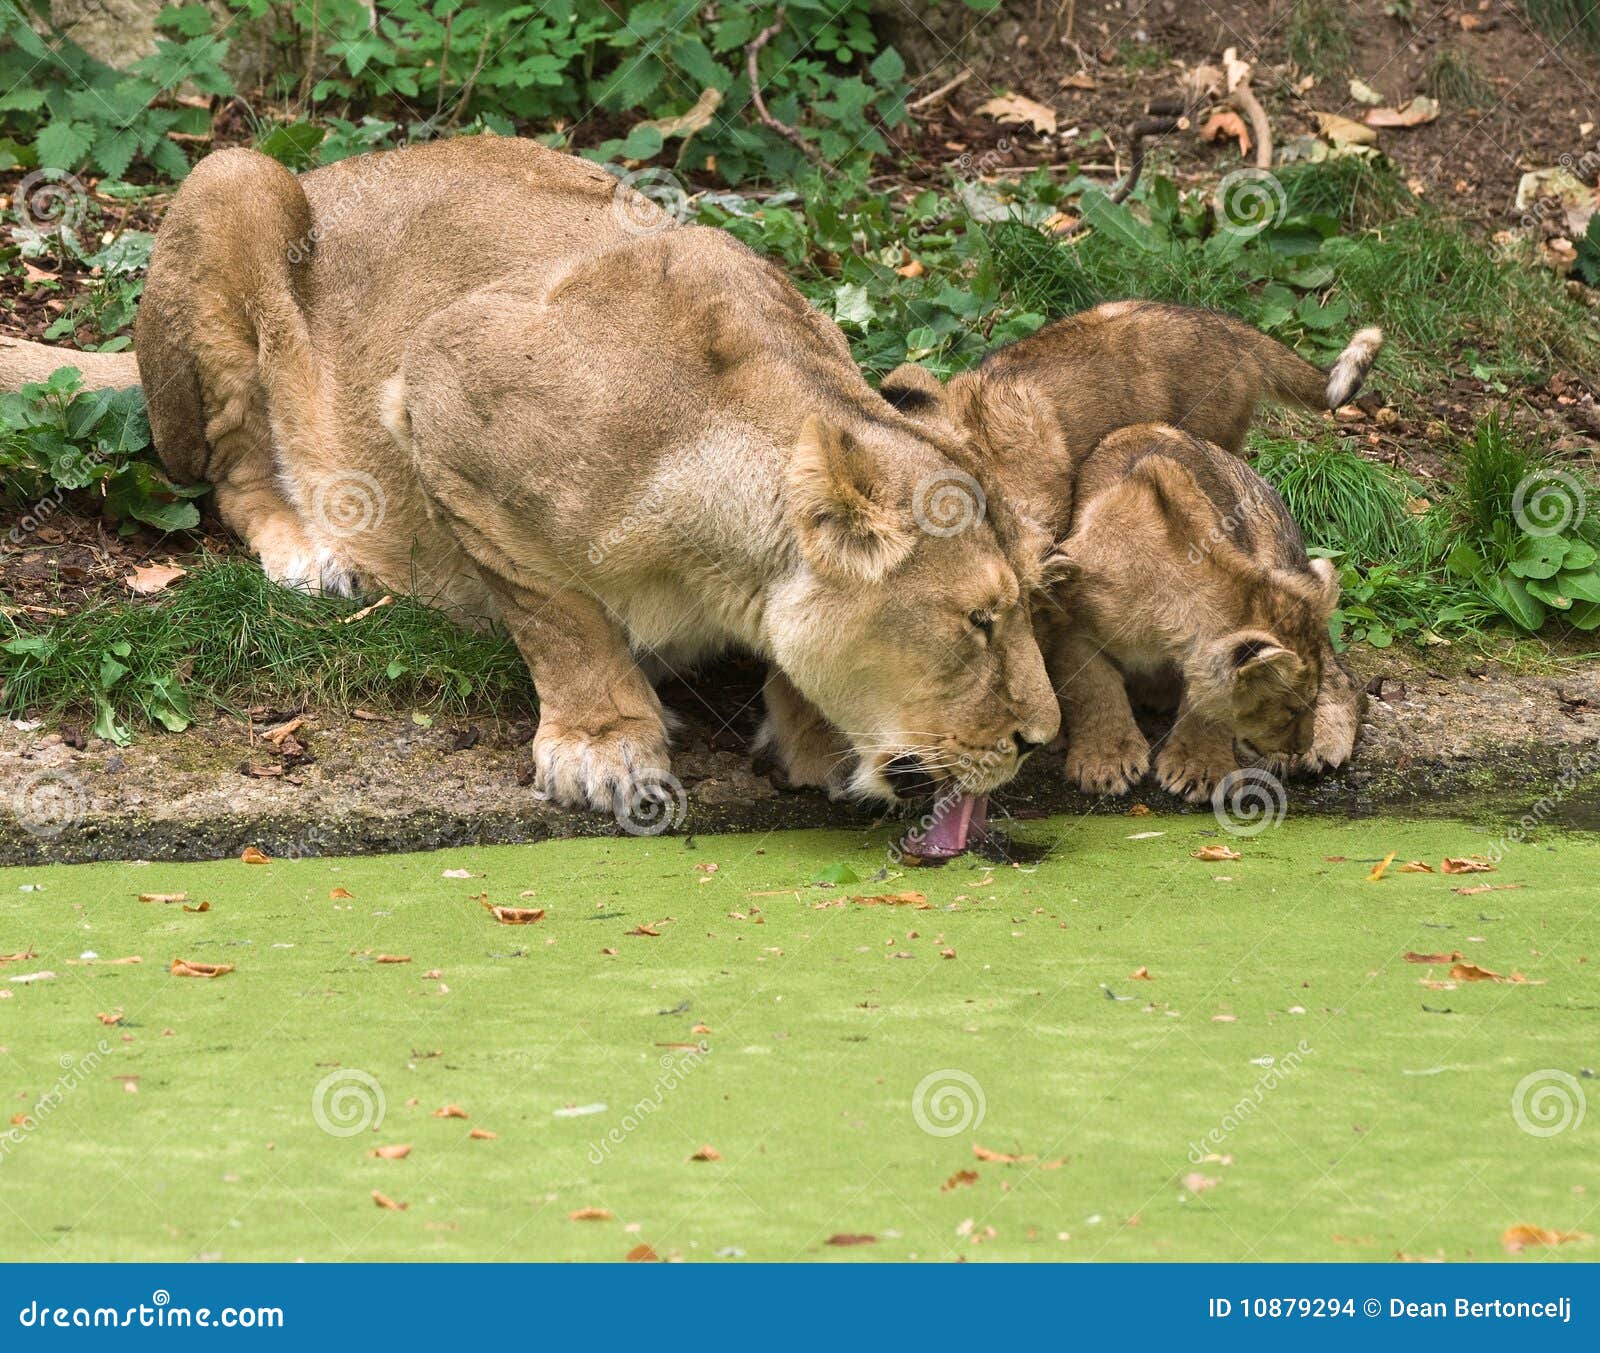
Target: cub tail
(1293,380)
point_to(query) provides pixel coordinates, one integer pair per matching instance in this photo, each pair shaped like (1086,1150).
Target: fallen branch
(947,87)
(752,50)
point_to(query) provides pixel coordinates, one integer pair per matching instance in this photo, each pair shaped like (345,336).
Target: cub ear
(1057,567)
(844,505)
(1327,576)
(913,390)
(1255,658)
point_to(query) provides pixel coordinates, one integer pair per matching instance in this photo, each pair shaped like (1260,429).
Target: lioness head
(907,622)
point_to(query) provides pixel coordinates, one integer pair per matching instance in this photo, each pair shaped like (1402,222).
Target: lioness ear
(844,506)
(912,389)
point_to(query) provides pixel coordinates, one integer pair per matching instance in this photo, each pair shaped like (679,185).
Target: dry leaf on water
(1471,972)
(204,906)
(181,967)
(390,1152)
(907,899)
(163,897)
(1451,957)
(392,958)
(114,1017)
(1488,888)
(642,1254)
(1517,1238)
(482,1135)
(1466,866)
(515,915)
(998,1157)
(649,930)
(339,893)
(961,1179)
(1196,1182)
(250,855)
(846,1238)
(1016,108)
(21,956)
(148,579)
(1415,867)
(1140,974)
(590,1214)
(450,1111)
(1215,854)
(1378,869)
(384,1201)
(707,1153)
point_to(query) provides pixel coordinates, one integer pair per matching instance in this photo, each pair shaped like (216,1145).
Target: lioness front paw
(1107,765)
(1193,769)
(620,771)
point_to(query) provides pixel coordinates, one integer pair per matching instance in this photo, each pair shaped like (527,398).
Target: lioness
(482,371)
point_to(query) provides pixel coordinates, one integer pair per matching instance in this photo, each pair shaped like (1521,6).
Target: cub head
(1264,681)
(907,619)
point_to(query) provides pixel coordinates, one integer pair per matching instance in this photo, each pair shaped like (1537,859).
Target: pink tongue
(943,834)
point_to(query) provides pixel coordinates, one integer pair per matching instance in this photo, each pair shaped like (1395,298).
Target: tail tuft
(1351,369)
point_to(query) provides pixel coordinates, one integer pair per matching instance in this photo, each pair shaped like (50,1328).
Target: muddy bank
(336,784)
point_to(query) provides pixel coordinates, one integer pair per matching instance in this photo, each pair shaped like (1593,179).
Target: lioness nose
(1025,744)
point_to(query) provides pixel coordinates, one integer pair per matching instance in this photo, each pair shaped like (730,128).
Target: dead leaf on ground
(163,897)
(1226,124)
(590,1214)
(390,1152)
(148,579)
(707,1153)
(1517,1238)
(1453,956)
(961,1179)
(389,1204)
(450,1111)
(642,1254)
(1344,131)
(181,967)
(1413,113)
(1215,854)
(847,1238)
(515,915)
(913,268)
(250,855)
(1471,866)
(1378,869)
(1017,108)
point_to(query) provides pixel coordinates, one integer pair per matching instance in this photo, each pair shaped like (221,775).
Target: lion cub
(1187,573)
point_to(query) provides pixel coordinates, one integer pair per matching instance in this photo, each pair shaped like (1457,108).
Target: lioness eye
(983,620)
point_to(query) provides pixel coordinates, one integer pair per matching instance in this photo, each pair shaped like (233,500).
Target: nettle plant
(57,439)
(65,110)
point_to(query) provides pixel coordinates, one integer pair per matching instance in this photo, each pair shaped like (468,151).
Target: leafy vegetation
(1574,21)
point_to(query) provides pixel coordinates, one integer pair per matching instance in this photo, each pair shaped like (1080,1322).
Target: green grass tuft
(1343,501)
(1318,34)
(1567,21)
(1359,191)
(1452,76)
(235,639)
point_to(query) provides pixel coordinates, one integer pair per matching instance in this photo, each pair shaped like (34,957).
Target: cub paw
(1193,772)
(1111,765)
(812,756)
(624,771)
(1333,743)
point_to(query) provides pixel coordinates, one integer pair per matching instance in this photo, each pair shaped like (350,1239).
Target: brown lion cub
(1187,572)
